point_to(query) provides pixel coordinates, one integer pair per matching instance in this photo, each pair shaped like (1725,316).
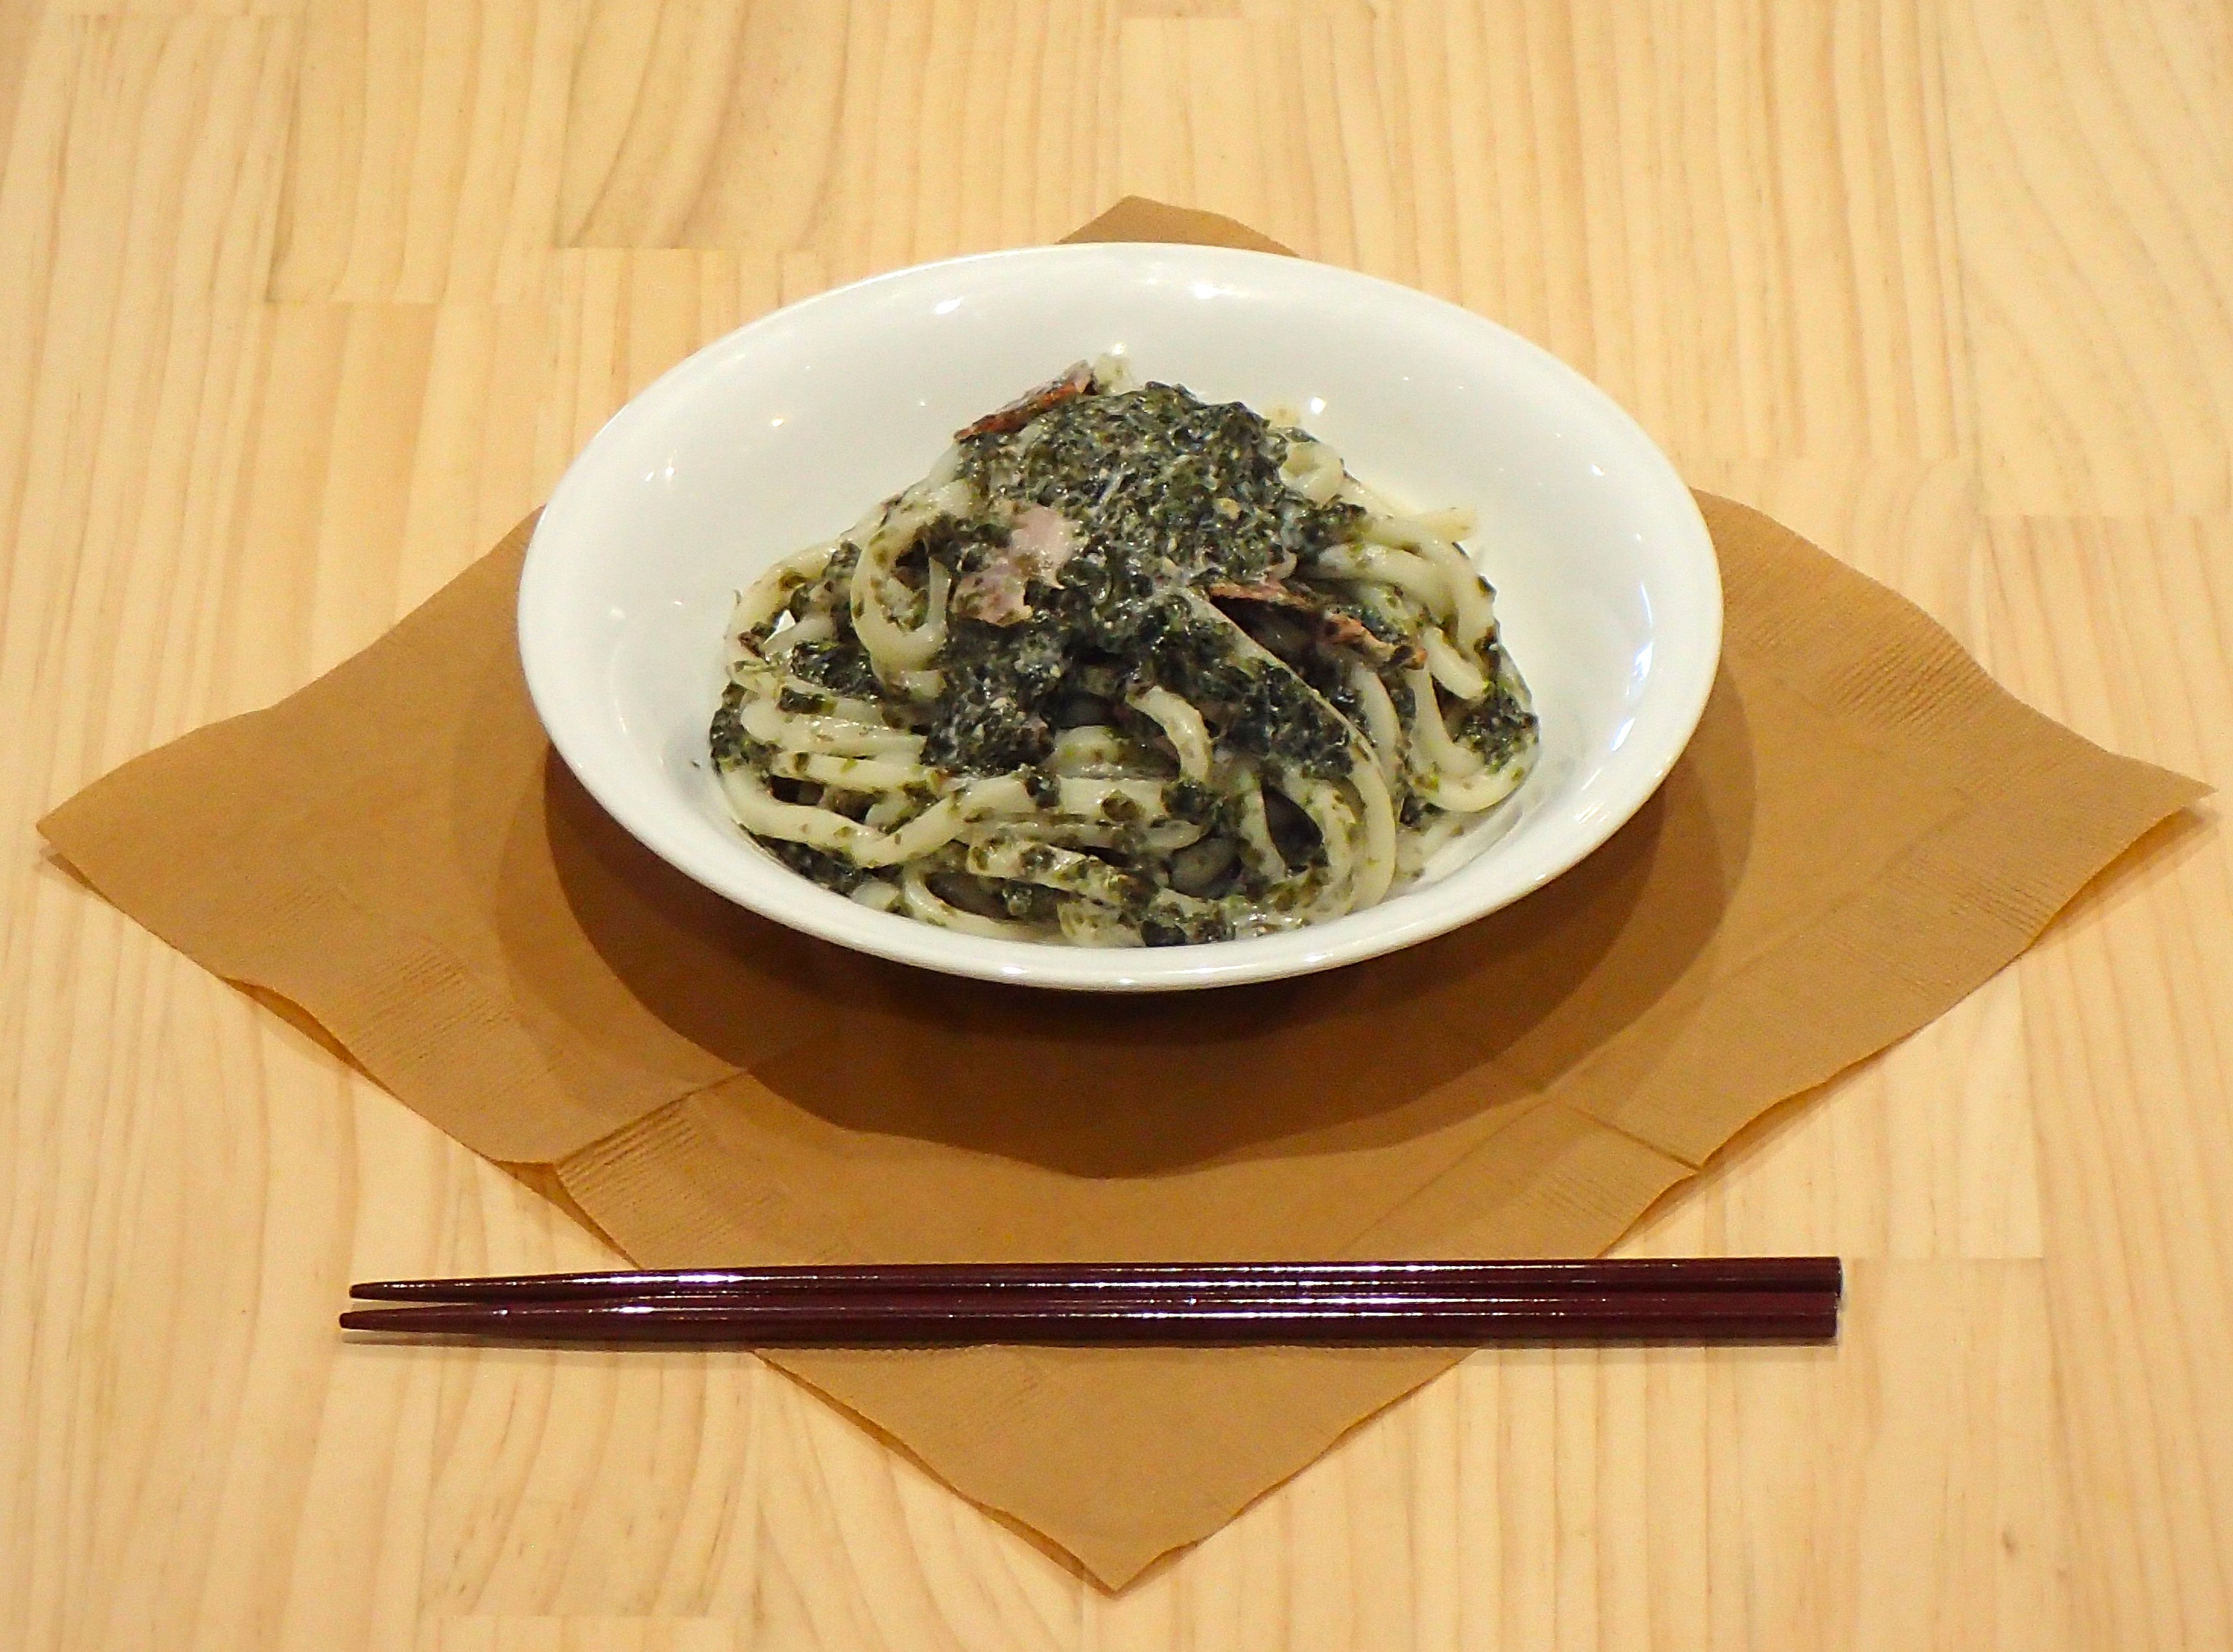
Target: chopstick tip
(396,1290)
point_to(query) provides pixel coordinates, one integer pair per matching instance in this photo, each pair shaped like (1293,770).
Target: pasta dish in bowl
(1126,669)
(1307,617)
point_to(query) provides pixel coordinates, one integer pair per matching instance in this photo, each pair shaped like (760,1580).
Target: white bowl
(780,434)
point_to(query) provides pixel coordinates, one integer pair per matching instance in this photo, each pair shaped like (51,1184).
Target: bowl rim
(1375,931)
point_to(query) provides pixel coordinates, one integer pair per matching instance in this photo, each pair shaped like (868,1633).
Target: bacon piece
(1043,540)
(1039,541)
(1025,409)
(993,594)
(1343,630)
(1264,591)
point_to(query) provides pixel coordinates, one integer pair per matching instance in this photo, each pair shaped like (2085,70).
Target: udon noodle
(1126,668)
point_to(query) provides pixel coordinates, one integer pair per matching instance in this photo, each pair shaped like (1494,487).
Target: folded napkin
(1863,829)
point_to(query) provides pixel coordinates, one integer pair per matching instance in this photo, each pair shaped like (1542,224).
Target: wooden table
(303,301)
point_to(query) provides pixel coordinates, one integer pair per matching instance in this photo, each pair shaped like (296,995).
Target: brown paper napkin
(1863,829)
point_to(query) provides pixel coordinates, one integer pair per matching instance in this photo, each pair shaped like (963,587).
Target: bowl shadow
(1107,1085)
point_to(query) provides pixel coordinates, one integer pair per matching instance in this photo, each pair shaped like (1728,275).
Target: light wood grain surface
(301,302)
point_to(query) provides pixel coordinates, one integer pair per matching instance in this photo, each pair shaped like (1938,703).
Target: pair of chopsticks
(939,1305)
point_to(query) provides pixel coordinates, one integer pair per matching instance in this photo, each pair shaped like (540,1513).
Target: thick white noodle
(1469,606)
(1430,735)
(1449,522)
(1384,728)
(1086,923)
(1089,798)
(760,811)
(876,895)
(814,732)
(772,592)
(923,902)
(815,628)
(1337,823)
(1024,862)
(1257,852)
(843,709)
(1377,864)
(1182,725)
(1477,792)
(853,773)
(1451,669)
(890,811)
(1422,843)
(893,649)
(944,820)
(1452,522)
(1313,470)
(1097,749)
(1414,576)
(1477,608)
(1160,837)
(940,585)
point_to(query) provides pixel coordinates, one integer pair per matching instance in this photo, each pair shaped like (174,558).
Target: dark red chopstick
(1711,1273)
(924,1319)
